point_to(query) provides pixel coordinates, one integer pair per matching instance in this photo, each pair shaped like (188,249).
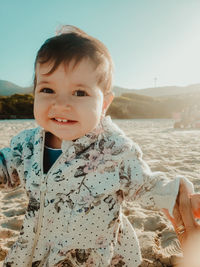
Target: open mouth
(63,121)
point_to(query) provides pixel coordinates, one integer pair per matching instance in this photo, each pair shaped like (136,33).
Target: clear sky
(152,42)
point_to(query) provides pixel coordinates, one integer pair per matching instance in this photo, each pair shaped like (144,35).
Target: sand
(175,152)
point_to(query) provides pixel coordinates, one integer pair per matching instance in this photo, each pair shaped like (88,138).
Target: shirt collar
(75,147)
(84,142)
(105,129)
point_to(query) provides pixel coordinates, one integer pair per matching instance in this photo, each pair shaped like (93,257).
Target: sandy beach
(175,152)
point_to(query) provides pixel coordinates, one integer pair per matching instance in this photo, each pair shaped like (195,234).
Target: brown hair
(71,43)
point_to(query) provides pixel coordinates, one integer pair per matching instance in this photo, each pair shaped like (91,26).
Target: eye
(47,90)
(80,93)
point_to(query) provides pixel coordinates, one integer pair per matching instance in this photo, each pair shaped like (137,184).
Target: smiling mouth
(63,121)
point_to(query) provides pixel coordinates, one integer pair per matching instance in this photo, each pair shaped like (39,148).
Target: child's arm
(10,165)
(149,189)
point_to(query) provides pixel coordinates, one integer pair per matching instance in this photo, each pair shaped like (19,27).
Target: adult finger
(169,217)
(195,203)
(179,224)
(185,208)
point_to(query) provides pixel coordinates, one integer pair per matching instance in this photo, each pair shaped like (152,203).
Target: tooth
(61,120)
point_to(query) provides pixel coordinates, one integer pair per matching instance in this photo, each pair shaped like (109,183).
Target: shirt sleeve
(11,165)
(150,189)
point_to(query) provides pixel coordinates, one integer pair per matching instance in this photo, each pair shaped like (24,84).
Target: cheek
(41,103)
(97,105)
(35,107)
(93,109)
(99,108)
(36,111)
(96,113)
(38,108)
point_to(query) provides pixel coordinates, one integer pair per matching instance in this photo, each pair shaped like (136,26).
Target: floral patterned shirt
(74,216)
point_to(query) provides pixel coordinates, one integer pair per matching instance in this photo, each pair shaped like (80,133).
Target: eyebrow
(42,82)
(82,85)
(76,85)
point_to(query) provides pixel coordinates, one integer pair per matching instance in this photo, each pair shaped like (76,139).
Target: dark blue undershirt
(50,156)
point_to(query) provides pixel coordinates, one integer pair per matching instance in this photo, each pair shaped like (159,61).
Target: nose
(62,102)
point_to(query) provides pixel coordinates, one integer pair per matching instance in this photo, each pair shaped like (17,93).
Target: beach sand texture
(175,152)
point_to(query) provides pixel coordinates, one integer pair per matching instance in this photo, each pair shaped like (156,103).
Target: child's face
(69,102)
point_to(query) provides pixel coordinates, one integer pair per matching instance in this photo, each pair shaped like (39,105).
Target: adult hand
(186,228)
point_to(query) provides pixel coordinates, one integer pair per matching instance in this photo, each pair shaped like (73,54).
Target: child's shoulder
(26,136)
(118,138)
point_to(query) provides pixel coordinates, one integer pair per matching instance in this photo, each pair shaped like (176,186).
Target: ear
(108,98)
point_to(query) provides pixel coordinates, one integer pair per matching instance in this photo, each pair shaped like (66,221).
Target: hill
(120,90)
(134,106)
(160,91)
(8,89)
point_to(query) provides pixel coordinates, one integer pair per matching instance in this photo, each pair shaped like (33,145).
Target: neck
(52,141)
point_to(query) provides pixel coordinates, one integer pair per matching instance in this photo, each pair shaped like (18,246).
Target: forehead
(84,71)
